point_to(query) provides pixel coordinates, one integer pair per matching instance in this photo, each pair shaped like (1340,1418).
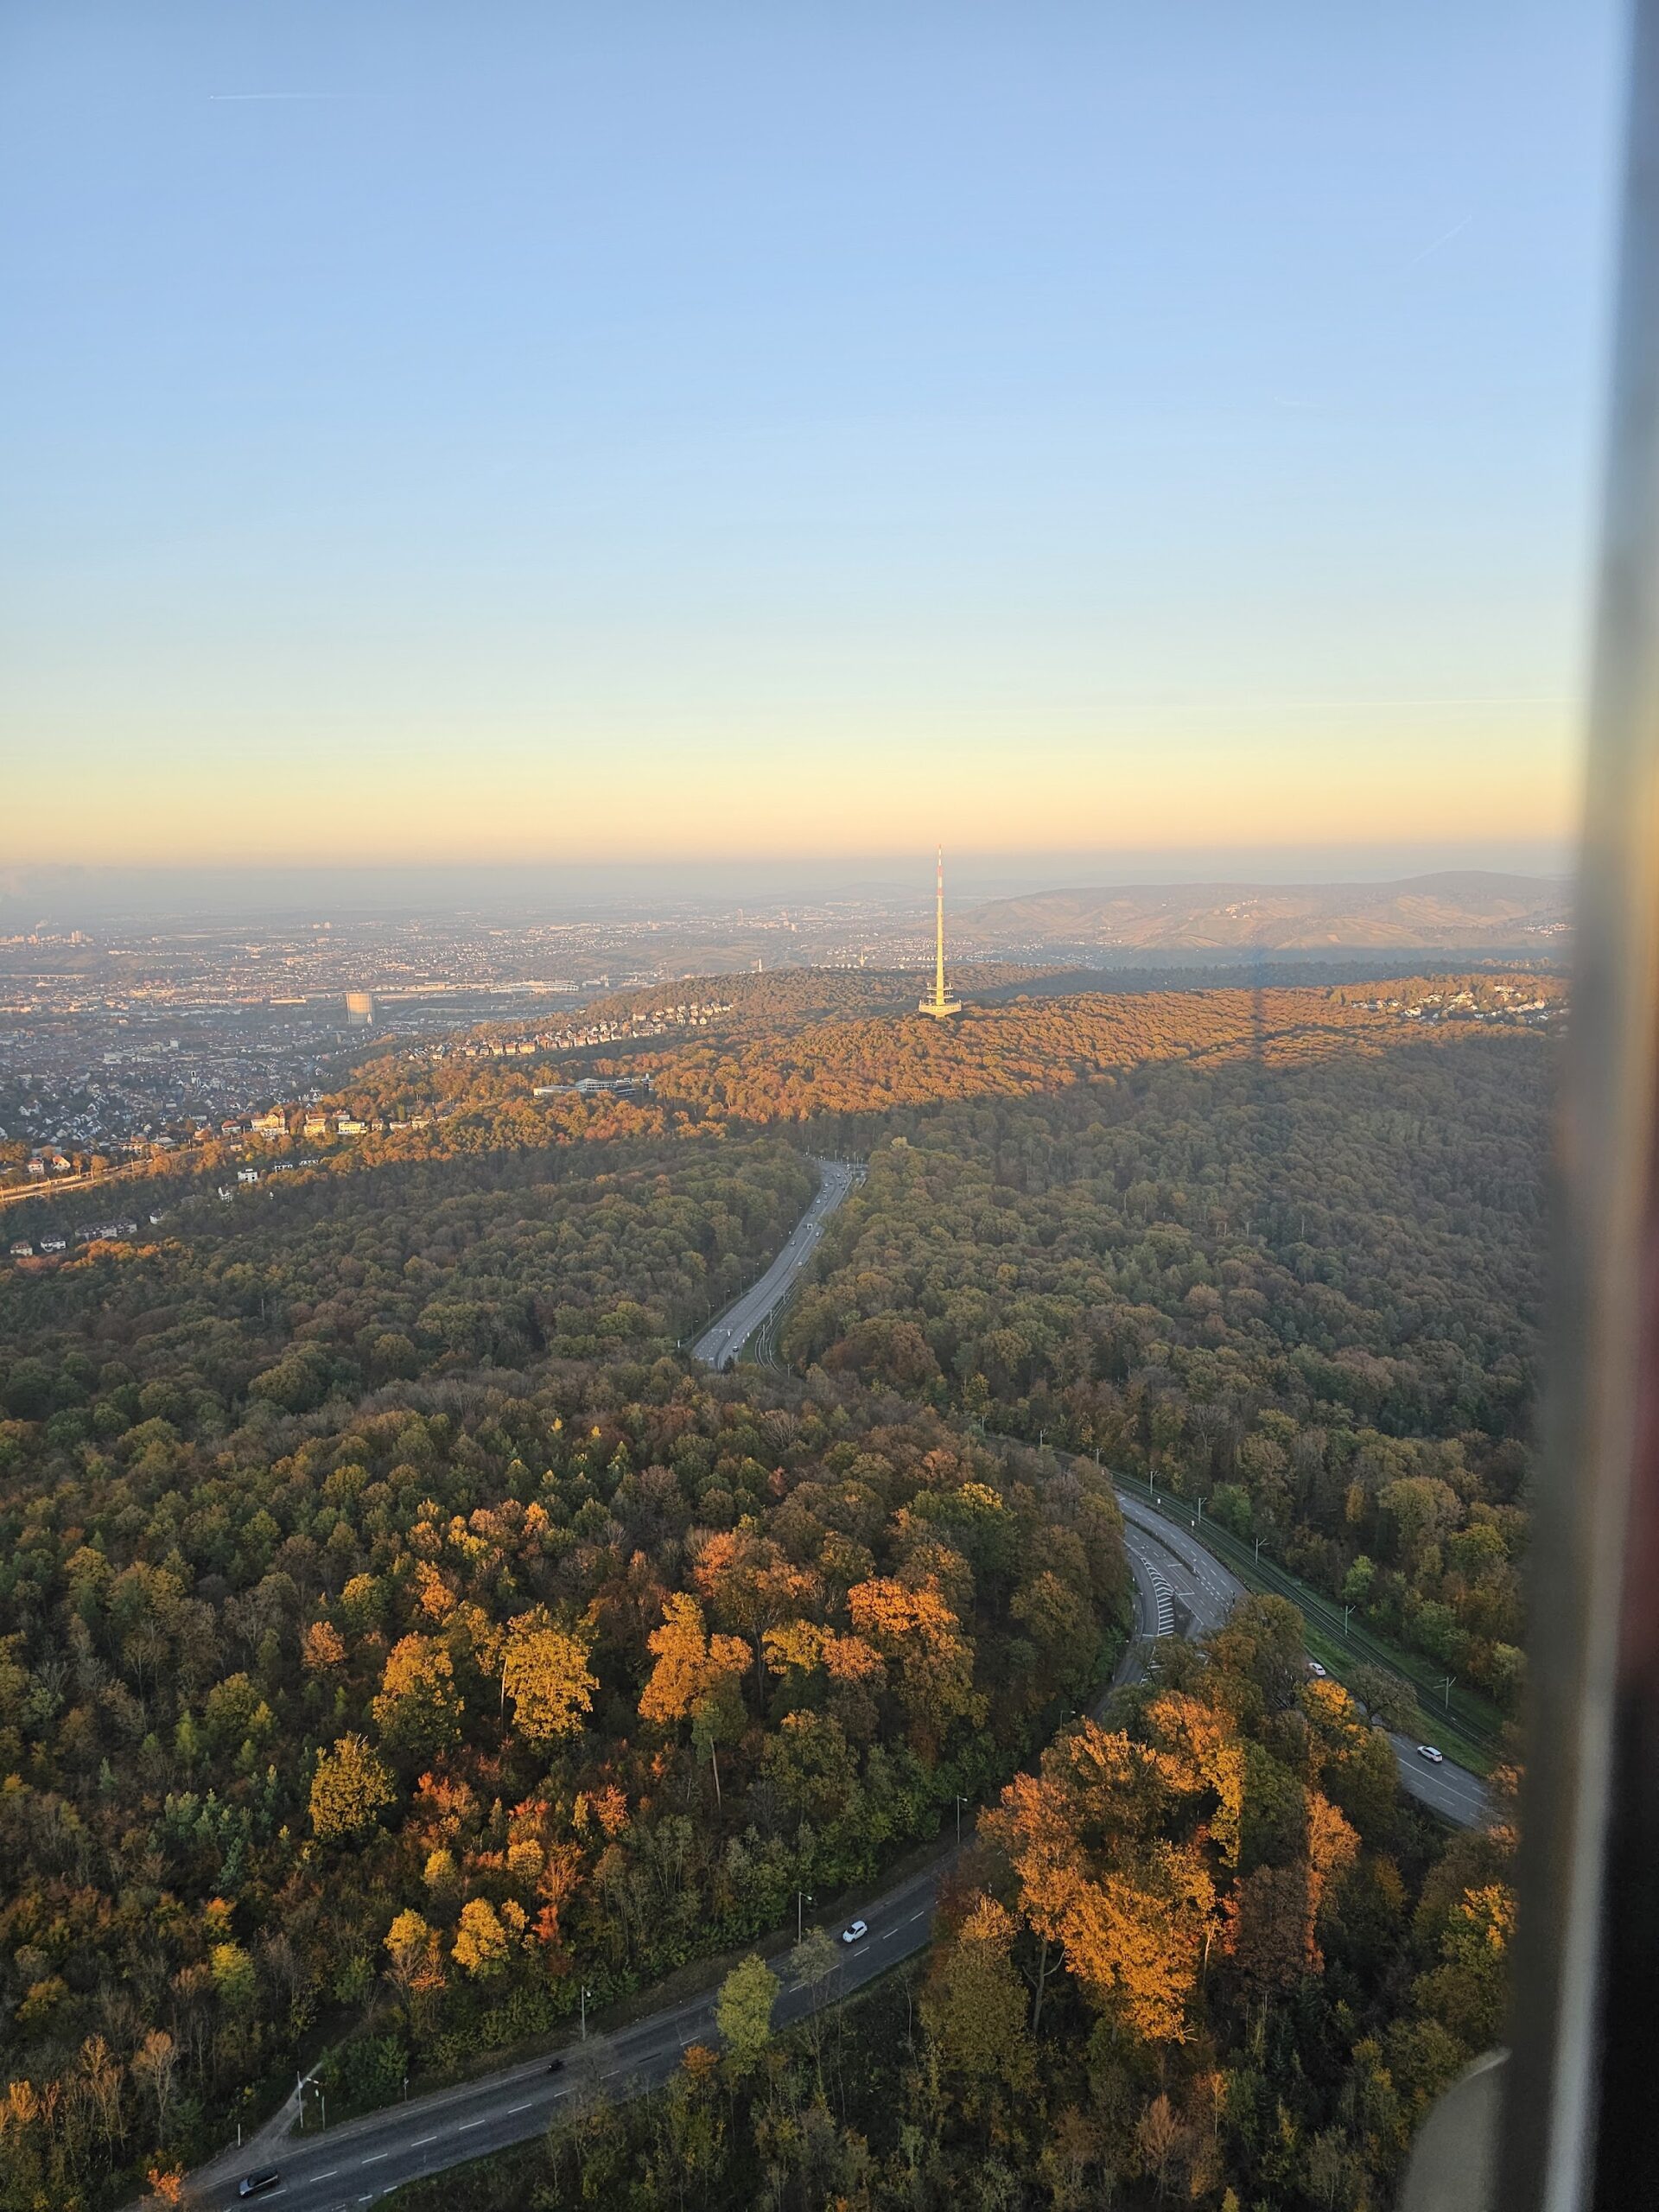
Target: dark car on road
(256,2184)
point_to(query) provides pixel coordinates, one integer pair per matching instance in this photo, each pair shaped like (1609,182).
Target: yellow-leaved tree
(351,1789)
(544,1671)
(418,1709)
(974,2005)
(415,1966)
(485,1936)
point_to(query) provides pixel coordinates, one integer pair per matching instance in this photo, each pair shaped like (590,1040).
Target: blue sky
(440,433)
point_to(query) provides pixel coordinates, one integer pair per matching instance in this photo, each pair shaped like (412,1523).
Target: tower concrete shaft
(938,1005)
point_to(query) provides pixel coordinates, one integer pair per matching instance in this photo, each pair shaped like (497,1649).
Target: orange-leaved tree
(912,1628)
(750,1585)
(1116,1846)
(696,1676)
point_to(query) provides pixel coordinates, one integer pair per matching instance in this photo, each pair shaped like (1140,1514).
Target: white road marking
(372,2159)
(1163,1598)
(420,2140)
(511,2108)
(466,2124)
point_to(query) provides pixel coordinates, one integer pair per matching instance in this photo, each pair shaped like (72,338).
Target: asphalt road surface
(720,1344)
(1180,1590)
(365,2159)
(1205,1588)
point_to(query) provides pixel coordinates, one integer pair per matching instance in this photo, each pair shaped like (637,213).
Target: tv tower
(939,1005)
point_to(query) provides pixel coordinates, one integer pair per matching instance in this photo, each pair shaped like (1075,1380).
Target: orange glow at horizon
(820,794)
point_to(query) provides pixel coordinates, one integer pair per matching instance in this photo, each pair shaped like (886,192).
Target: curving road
(363,2160)
(1209,1592)
(1180,1590)
(720,1344)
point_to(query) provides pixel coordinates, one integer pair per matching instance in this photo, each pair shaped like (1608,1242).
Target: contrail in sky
(286,96)
(1445,238)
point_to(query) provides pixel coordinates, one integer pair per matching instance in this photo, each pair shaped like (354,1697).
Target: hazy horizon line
(54,891)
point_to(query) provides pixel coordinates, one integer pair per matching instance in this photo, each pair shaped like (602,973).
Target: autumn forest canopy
(399,1632)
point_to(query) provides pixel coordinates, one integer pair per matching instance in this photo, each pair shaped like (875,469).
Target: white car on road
(1428,1751)
(856,1932)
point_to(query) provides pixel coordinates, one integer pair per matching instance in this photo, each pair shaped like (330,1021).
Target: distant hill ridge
(1467,908)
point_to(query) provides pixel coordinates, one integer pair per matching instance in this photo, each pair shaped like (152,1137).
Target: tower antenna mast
(939,1005)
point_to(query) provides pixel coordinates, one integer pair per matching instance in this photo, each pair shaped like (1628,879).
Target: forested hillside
(806,1051)
(365,1648)
(397,1633)
(1204,1955)
(364,1272)
(792,997)
(1037,1045)
(1305,1295)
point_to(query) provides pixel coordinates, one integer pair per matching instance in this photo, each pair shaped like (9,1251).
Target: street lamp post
(1345,1611)
(961,1802)
(586,1994)
(1449,1680)
(799,1927)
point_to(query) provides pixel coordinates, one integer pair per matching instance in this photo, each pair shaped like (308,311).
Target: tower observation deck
(939,1005)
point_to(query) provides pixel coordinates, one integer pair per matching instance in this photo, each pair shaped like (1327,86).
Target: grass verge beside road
(1466,1727)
